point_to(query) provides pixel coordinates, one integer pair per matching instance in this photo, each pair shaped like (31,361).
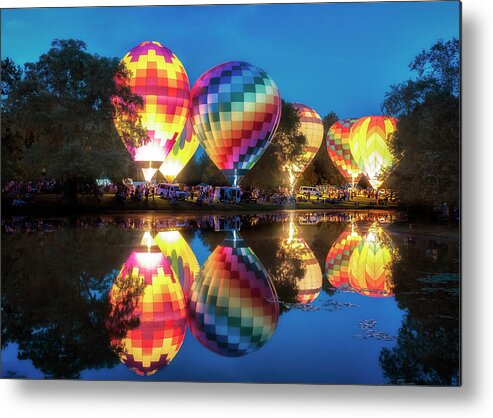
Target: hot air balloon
(337,261)
(369,268)
(313,130)
(180,257)
(180,154)
(158,308)
(310,283)
(235,111)
(158,76)
(232,304)
(339,151)
(368,140)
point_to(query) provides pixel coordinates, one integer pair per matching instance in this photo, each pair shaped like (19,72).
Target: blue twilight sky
(340,56)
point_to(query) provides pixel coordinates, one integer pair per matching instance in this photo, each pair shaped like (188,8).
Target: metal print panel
(234,193)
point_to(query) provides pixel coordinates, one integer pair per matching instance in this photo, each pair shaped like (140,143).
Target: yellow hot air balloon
(369,268)
(368,141)
(180,154)
(310,283)
(313,130)
(180,256)
(158,307)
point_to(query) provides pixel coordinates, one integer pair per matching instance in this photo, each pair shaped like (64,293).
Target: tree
(427,142)
(61,111)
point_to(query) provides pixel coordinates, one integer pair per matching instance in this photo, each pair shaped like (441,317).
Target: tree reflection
(428,344)
(54,297)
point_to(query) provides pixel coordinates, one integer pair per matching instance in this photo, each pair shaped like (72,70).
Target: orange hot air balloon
(310,284)
(340,152)
(369,142)
(369,268)
(180,257)
(158,76)
(337,261)
(148,316)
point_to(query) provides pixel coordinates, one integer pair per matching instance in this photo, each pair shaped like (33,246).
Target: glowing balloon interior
(180,154)
(159,77)
(368,140)
(313,130)
(159,309)
(235,111)
(337,261)
(180,257)
(340,152)
(369,268)
(233,307)
(310,284)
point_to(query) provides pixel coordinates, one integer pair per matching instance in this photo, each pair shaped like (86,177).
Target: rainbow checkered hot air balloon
(337,261)
(312,128)
(180,257)
(158,76)
(232,304)
(368,140)
(369,267)
(236,108)
(310,284)
(180,154)
(158,309)
(339,150)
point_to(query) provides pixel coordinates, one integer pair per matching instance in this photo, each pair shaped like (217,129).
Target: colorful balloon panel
(235,111)
(310,284)
(180,257)
(369,268)
(159,308)
(340,152)
(180,154)
(159,77)
(369,140)
(312,128)
(232,304)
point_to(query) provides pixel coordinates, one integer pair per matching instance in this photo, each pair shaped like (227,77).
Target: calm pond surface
(341,298)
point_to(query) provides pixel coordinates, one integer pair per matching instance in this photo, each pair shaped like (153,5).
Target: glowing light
(235,111)
(233,307)
(369,140)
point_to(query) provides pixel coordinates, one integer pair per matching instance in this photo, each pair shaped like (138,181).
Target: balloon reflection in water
(369,268)
(180,256)
(233,307)
(148,317)
(310,283)
(337,261)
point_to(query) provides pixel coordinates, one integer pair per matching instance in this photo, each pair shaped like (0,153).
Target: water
(341,298)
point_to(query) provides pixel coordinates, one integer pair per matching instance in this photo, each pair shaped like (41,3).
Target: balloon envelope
(368,140)
(235,111)
(337,261)
(340,152)
(159,309)
(180,257)
(312,128)
(180,154)
(232,305)
(159,77)
(369,268)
